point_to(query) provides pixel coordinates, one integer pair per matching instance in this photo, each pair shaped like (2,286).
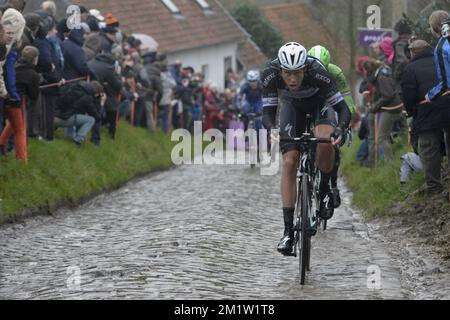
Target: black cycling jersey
(317,87)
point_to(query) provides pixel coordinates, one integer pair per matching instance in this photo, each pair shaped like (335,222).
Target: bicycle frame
(307,205)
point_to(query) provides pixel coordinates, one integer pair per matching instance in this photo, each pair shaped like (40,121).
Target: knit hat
(29,53)
(32,21)
(111,21)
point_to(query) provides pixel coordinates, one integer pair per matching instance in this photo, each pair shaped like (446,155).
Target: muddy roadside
(417,231)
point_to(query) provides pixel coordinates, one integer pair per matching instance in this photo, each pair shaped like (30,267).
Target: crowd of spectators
(83,76)
(408,79)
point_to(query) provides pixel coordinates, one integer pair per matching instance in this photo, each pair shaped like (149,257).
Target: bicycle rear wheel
(305,236)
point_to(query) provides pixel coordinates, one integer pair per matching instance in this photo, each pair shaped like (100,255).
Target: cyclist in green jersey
(321,53)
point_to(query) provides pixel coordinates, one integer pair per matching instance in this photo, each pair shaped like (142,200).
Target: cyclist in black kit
(298,85)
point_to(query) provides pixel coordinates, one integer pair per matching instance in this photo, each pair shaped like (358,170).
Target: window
(228,64)
(205,7)
(203,4)
(205,71)
(171,6)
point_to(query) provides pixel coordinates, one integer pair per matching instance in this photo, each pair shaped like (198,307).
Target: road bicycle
(307,219)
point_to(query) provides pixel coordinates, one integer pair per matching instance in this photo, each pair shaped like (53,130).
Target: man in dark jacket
(155,87)
(79,108)
(429,119)
(107,39)
(33,21)
(52,76)
(104,67)
(386,101)
(75,64)
(402,54)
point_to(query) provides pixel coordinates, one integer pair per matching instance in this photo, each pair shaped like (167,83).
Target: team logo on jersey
(268,79)
(323,78)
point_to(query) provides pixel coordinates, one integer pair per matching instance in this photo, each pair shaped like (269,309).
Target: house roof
(195,28)
(296,23)
(250,56)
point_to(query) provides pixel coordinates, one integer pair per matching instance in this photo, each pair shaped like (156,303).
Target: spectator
(63,30)
(104,68)
(143,86)
(11,30)
(377,53)
(79,109)
(27,81)
(33,21)
(410,163)
(129,95)
(155,88)
(387,50)
(108,34)
(430,119)
(54,76)
(385,97)
(363,153)
(75,62)
(168,86)
(186,93)
(175,70)
(441,54)
(401,51)
(50,8)
(18,5)
(45,67)
(93,42)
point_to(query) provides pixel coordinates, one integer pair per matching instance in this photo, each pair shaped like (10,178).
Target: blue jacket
(442,61)
(45,55)
(75,62)
(10,75)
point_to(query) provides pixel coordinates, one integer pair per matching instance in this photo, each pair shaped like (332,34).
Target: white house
(200,33)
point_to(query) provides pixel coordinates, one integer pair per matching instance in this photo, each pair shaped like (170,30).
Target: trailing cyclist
(299,85)
(250,98)
(323,55)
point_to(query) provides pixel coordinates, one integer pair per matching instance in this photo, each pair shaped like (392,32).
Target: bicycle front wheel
(305,236)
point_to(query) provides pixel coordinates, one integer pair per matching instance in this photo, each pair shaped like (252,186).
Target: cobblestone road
(194,232)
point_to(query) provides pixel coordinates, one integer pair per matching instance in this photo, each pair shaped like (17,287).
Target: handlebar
(306,139)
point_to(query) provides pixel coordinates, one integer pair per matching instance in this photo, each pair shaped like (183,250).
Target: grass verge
(375,190)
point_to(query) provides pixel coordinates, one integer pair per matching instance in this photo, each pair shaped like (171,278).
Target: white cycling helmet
(292,56)
(253,75)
